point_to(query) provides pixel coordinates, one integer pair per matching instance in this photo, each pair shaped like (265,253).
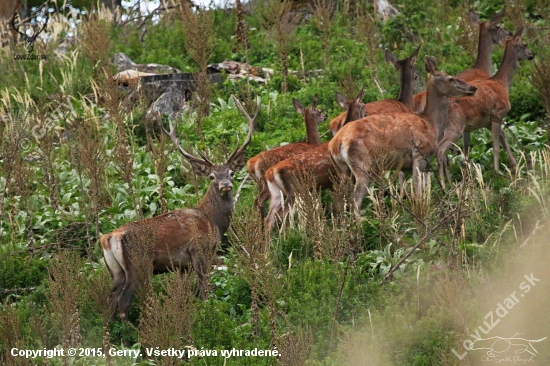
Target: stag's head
(444,84)
(29,40)
(407,66)
(220,175)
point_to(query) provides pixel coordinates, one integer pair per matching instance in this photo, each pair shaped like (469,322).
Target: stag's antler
(29,39)
(191,158)
(251,121)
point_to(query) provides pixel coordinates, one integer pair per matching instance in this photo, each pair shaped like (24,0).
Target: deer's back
(390,135)
(419,99)
(472,74)
(474,112)
(378,107)
(259,164)
(316,162)
(175,234)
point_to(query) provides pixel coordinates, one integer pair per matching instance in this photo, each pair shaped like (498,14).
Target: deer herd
(406,132)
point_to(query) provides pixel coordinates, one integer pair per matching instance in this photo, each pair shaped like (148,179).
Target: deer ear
(360,96)
(414,55)
(390,58)
(315,101)
(518,33)
(200,169)
(473,17)
(298,106)
(497,18)
(430,64)
(341,100)
(238,161)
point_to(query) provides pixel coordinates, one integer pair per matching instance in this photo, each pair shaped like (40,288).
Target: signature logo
(497,346)
(29,40)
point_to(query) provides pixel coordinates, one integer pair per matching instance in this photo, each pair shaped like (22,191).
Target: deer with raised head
(177,238)
(407,140)
(490,33)
(281,177)
(258,165)
(403,103)
(487,109)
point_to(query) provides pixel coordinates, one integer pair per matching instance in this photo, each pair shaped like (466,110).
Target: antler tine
(172,136)
(251,122)
(13,24)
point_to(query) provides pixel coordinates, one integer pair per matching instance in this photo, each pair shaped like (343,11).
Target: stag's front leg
(199,266)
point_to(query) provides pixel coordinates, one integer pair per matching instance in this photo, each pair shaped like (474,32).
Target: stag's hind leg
(111,248)
(125,293)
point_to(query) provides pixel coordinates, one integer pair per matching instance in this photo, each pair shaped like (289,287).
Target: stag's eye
(231,173)
(212,176)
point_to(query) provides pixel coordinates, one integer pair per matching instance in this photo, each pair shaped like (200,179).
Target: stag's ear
(430,64)
(473,17)
(391,59)
(414,55)
(238,162)
(341,100)
(497,18)
(360,96)
(518,34)
(315,101)
(298,106)
(200,169)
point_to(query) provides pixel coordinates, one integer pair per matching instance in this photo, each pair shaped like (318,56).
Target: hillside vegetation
(406,284)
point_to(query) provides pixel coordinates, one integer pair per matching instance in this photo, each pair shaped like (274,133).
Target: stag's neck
(437,111)
(312,129)
(218,209)
(406,89)
(508,66)
(484,59)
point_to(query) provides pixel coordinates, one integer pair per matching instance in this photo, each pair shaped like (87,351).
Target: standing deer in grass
(490,34)
(258,164)
(403,103)
(178,238)
(281,177)
(487,109)
(406,140)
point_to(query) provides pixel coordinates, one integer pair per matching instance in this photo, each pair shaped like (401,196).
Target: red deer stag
(258,164)
(280,178)
(177,237)
(489,106)
(403,103)
(407,139)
